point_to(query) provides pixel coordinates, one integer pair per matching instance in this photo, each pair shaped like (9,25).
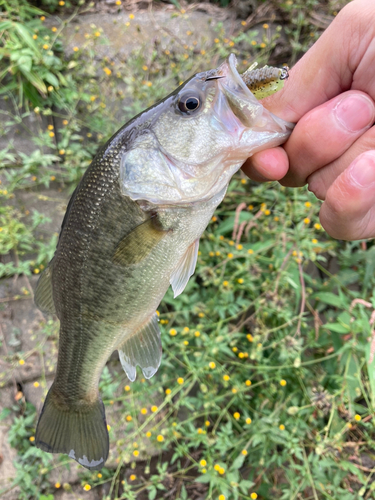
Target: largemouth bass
(131,229)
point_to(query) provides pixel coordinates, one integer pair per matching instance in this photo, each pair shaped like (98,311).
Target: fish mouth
(237,95)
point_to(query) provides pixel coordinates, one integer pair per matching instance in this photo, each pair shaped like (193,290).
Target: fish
(132,229)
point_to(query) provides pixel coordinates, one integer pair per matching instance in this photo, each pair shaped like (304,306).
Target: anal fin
(43,294)
(185,269)
(143,349)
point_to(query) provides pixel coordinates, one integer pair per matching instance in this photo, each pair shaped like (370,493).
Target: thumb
(348,212)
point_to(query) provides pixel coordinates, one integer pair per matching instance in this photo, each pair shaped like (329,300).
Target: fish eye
(189,103)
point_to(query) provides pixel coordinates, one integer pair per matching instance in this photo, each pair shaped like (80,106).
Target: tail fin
(80,433)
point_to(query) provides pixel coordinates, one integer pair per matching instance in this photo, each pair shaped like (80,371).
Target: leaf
(35,80)
(51,78)
(370,265)
(238,462)
(337,328)
(26,37)
(329,298)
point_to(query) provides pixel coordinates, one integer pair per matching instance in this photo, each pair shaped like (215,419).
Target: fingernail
(362,170)
(355,112)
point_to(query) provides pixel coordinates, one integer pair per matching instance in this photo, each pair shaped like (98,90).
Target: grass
(266,388)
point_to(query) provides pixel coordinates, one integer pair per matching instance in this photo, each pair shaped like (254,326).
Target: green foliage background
(266,388)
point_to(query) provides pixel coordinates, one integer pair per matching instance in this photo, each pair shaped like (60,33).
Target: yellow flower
(160,438)
(61,3)
(283,382)
(21,362)
(203,52)
(234,349)
(265,26)
(248,420)
(154,408)
(240,281)
(51,134)
(31,439)
(186,329)
(54,29)
(314,240)
(241,355)
(52,178)
(75,49)
(249,337)
(180,380)
(212,365)
(225,283)
(306,220)
(129,418)
(221,470)
(172,332)
(253,496)
(216,40)
(99,475)
(45,46)
(262,45)
(248,382)
(148,434)
(144,67)
(250,251)
(253,42)
(244,452)
(57,485)
(201,315)
(267,212)
(282,427)
(200,431)
(236,415)
(231,44)
(239,247)
(226,378)
(35,37)
(317,226)
(33,178)
(307,204)
(132,477)
(42,18)
(203,463)
(234,390)
(136,453)
(36,384)
(118,2)
(221,497)
(87,487)
(230,256)
(243,23)
(276,219)
(186,342)
(167,391)
(143,411)
(207,423)
(107,71)
(357,418)
(131,16)
(197,334)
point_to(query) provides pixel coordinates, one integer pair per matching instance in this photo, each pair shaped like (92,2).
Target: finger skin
(325,133)
(321,180)
(348,212)
(269,165)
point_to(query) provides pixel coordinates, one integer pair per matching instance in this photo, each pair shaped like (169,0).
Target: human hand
(330,94)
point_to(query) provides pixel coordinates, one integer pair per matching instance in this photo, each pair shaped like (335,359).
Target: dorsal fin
(143,349)
(185,269)
(43,297)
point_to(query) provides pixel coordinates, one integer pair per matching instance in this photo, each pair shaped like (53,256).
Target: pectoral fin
(43,294)
(143,349)
(185,269)
(138,244)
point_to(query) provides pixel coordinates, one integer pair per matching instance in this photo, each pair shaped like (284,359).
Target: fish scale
(131,229)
